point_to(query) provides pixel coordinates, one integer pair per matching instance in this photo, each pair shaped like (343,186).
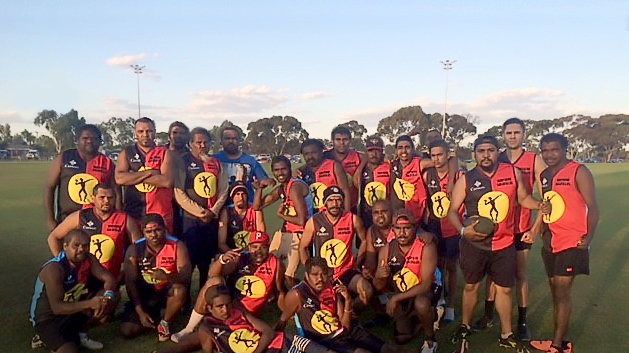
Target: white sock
(193,322)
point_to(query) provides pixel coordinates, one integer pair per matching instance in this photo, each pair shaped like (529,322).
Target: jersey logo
(243,341)
(403,189)
(251,286)
(323,232)
(558,207)
(317,189)
(205,185)
(324,322)
(72,164)
(440,204)
(333,251)
(405,280)
(374,191)
(81,187)
(135,159)
(477,186)
(102,247)
(144,187)
(494,205)
(218,332)
(241,239)
(74,294)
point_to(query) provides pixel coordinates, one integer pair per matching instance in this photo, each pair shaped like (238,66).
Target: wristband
(109,294)
(462,231)
(221,261)
(348,311)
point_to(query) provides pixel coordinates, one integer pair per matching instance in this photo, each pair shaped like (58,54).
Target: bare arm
(383,272)
(223,193)
(131,276)
(231,258)
(341,179)
(525,199)
(52,277)
(223,223)
(360,232)
(297,193)
(371,257)
(60,231)
(279,283)
(206,338)
(184,267)
(306,241)
(117,188)
(585,184)
(260,226)
(266,333)
(458,197)
(260,201)
(133,230)
(164,179)
(52,183)
(126,177)
(292,304)
(344,309)
(540,166)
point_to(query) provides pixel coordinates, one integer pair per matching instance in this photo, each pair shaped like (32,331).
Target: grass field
(600,315)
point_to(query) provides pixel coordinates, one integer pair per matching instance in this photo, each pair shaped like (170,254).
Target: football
(485,225)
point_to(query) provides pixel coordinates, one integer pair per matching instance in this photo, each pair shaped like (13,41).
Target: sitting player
(157,271)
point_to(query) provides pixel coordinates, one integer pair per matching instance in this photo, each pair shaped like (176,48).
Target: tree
(161,138)
(358,134)
(5,132)
(45,145)
(28,137)
(61,127)
(272,135)
(117,132)
(216,131)
(402,121)
(609,132)
(459,127)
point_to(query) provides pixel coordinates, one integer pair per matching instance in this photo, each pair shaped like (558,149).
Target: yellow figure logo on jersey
(440,204)
(144,187)
(403,189)
(81,188)
(375,191)
(317,189)
(251,286)
(241,239)
(494,205)
(324,322)
(102,247)
(558,207)
(333,251)
(146,275)
(205,185)
(405,280)
(289,211)
(243,341)
(74,294)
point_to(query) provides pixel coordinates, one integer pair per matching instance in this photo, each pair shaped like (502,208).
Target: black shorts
(570,262)
(348,342)
(449,247)
(201,239)
(405,318)
(61,329)
(519,245)
(499,265)
(347,277)
(152,302)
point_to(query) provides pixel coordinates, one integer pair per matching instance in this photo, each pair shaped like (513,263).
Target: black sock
(489,309)
(521,315)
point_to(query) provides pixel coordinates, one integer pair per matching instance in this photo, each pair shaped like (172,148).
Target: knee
(178,291)
(129,330)
(366,289)
(471,288)
(503,290)
(403,339)
(422,304)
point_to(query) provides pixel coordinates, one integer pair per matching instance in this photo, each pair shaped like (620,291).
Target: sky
(323,62)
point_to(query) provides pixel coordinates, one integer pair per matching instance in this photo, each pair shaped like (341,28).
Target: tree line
(605,136)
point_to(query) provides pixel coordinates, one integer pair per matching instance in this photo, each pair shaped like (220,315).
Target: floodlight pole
(138,70)
(447,65)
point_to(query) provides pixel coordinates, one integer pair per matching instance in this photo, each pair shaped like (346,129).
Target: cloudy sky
(324,62)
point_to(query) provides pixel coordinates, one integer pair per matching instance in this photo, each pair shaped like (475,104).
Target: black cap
(374,141)
(486,139)
(332,191)
(238,186)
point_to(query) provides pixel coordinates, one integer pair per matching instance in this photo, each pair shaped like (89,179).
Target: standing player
(331,233)
(407,266)
(320,173)
(568,231)
(201,191)
(436,180)
(530,166)
(295,209)
(178,146)
(373,179)
(237,222)
(60,301)
(157,272)
(110,230)
(349,158)
(73,175)
(490,190)
(145,171)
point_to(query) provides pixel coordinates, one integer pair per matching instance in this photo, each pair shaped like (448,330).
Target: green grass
(600,312)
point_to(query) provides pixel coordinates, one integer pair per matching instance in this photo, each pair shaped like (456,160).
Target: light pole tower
(447,65)
(138,70)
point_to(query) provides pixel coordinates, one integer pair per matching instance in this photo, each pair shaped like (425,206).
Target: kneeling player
(157,269)
(60,298)
(408,266)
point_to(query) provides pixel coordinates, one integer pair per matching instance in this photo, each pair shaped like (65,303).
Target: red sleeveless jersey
(494,197)
(380,174)
(202,179)
(439,204)
(165,259)
(255,284)
(239,228)
(290,205)
(237,334)
(333,242)
(405,267)
(109,237)
(138,203)
(526,164)
(567,224)
(318,315)
(325,174)
(412,173)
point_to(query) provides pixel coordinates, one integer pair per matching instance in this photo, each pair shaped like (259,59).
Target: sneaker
(429,347)
(89,343)
(449,316)
(163,331)
(36,342)
(511,342)
(462,347)
(524,334)
(440,311)
(461,334)
(177,336)
(544,346)
(483,323)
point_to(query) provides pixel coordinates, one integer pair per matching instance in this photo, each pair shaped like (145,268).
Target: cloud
(125,61)
(245,100)
(314,95)
(11,117)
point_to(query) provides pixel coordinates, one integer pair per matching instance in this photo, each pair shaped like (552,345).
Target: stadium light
(138,70)
(447,65)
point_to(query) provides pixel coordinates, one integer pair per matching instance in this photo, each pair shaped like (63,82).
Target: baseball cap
(486,139)
(332,191)
(373,142)
(403,216)
(258,237)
